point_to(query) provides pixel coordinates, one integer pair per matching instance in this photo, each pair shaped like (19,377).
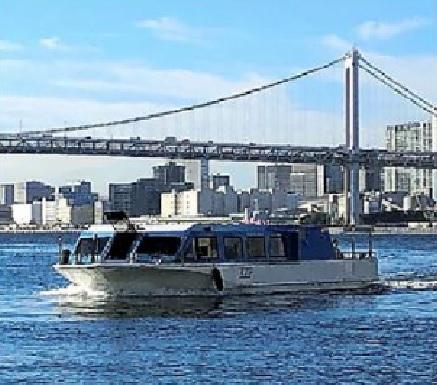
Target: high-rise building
(307,179)
(27,213)
(101,206)
(274,177)
(169,173)
(142,197)
(120,197)
(418,136)
(370,179)
(5,214)
(146,197)
(28,192)
(304,179)
(219,180)
(334,179)
(78,193)
(6,194)
(76,215)
(204,202)
(197,173)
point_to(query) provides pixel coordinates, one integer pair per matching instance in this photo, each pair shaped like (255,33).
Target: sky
(74,62)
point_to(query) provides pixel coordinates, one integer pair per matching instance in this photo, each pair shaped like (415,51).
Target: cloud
(336,42)
(6,45)
(81,92)
(171,83)
(384,30)
(118,80)
(414,71)
(171,29)
(53,43)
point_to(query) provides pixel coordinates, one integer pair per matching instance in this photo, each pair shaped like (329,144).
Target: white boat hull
(140,279)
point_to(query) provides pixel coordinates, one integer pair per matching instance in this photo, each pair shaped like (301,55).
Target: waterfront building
(230,199)
(78,193)
(333,179)
(43,212)
(30,191)
(75,215)
(197,173)
(5,214)
(49,212)
(420,136)
(101,206)
(6,194)
(146,197)
(336,208)
(203,202)
(266,200)
(120,197)
(304,179)
(307,180)
(169,173)
(370,179)
(255,200)
(143,197)
(27,213)
(274,177)
(219,180)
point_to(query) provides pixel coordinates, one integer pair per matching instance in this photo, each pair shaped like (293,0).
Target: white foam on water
(71,291)
(411,284)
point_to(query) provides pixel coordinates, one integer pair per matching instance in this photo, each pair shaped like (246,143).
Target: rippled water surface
(320,338)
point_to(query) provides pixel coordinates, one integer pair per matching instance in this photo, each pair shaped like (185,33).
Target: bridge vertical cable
(397,87)
(190,108)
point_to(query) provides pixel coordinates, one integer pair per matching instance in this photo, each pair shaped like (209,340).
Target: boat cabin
(200,243)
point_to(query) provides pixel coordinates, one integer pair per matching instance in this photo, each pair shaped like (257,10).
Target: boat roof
(181,229)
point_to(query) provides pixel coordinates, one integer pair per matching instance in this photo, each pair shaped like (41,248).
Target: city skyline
(90,63)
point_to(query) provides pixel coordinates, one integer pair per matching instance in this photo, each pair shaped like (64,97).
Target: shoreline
(387,230)
(40,231)
(377,230)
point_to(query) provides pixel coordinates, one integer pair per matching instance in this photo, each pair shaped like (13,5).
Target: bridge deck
(185,149)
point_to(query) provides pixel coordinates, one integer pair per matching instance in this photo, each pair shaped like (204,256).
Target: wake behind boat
(199,260)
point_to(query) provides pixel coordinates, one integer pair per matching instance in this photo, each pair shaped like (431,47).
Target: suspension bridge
(63,139)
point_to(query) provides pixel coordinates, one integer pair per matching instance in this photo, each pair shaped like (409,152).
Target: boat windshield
(121,245)
(91,246)
(158,247)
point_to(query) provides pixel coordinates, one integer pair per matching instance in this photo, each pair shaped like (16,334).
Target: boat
(213,260)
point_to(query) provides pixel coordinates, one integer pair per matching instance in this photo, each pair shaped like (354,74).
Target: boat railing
(66,257)
(105,250)
(358,254)
(133,254)
(354,253)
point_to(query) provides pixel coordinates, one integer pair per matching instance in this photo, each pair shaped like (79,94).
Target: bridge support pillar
(352,136)
(204,174)
(434,149)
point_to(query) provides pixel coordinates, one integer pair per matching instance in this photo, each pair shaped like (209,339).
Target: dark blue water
(388,338)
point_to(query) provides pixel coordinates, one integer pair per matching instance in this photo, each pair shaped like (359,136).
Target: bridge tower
(352,193)
(434,149)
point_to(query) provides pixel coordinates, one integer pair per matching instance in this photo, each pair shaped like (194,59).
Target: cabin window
(256,247)
(158,246)
(277,246)
(91,246)
(121,245)
(205,247)
(85,247)
(101,244)
(233,248)
(188,254)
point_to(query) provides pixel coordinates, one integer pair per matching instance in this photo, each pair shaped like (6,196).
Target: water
(319,338)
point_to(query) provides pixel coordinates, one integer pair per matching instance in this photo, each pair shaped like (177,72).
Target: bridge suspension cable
(397,87)
(186,108)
